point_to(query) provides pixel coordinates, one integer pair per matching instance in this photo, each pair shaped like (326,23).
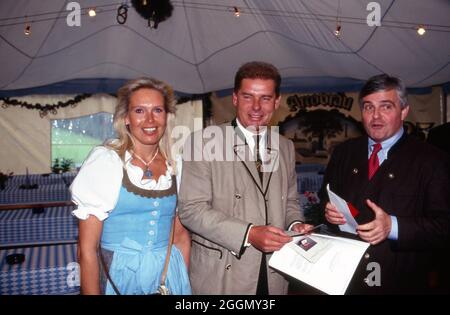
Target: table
(46,270)
(23,227)
(41,179)
(47,239)
(43,193)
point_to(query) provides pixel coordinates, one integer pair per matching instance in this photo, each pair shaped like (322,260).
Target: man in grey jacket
(238,192)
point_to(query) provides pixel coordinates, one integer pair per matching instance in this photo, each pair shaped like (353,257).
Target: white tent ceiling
(199,48)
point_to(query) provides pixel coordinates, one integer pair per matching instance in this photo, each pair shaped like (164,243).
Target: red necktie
(373,160)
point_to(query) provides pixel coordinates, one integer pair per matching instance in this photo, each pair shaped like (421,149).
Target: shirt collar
(387,144)
(249,136)
(128,157)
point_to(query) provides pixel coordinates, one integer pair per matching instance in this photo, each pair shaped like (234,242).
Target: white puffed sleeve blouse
(95,190)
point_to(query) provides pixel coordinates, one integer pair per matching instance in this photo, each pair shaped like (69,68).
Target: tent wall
(26,137)
(26,140)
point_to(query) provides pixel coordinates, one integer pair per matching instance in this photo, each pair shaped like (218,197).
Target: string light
(337,31)
(92,12)
(421,30)
(191,4)
(152,22)
(27,30)
(236,12)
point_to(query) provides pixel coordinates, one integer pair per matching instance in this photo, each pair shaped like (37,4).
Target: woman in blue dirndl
(126,197)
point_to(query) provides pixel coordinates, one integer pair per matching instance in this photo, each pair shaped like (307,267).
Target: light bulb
(236,12)
(421,30)
(92,12)
(27,30)
(337,32)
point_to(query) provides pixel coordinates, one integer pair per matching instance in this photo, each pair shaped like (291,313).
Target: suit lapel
(357,172)
(244,155)
(361,166)
(269,163)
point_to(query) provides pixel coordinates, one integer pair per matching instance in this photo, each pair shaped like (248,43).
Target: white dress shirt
(250,138)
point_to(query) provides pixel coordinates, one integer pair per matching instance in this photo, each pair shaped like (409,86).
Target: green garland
(44,109)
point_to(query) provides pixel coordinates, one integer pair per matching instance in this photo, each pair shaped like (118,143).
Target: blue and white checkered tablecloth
(41,179)
(44,193)
(46,270)
(310,167)
(309,181)
(55,224)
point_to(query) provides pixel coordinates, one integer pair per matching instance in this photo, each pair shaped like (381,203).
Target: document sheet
(343,207)
(328,268)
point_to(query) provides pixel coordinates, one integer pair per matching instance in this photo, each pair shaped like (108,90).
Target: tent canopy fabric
(199,48)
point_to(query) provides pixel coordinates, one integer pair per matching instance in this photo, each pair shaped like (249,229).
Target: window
(74,138)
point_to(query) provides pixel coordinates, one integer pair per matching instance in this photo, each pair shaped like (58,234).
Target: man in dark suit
(440,137)
(401,188)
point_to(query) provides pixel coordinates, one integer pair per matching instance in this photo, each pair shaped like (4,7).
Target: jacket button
(228,267)
(366,255)
(238,196)
(391,176)
(355,171)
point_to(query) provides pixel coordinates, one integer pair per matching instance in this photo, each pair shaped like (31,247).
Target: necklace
(147,173)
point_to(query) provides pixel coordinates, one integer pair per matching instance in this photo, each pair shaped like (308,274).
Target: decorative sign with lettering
(337,100)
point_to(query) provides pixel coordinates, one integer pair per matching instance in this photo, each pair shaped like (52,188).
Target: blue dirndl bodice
(137,232)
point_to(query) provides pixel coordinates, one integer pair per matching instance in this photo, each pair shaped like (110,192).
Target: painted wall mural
(315,133)
(321,121)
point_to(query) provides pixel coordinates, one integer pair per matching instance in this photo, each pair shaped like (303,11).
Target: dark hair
(257,70)
(384,82)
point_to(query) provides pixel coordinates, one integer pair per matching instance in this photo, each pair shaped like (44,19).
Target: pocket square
(352,209)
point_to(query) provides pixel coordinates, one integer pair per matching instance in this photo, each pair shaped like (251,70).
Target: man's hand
(333,215)
(377,230)
(301,227)
(267,238)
